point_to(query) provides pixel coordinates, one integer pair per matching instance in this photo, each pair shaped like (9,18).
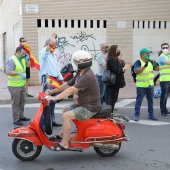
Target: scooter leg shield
(25,133)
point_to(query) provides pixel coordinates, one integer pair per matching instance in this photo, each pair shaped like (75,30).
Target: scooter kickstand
(76,149)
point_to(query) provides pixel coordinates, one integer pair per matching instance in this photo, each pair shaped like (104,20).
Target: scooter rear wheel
(106,152)
(25,150)
(48,120)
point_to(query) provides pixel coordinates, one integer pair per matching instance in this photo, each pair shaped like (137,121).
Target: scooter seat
(104,112)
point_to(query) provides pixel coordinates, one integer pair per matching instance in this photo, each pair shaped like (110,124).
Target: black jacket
(114,66)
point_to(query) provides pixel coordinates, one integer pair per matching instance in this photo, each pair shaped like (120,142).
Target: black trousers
(113,93)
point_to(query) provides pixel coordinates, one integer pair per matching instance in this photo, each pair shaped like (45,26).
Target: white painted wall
(151,39)
(73,39)
(10,15)
(17,33)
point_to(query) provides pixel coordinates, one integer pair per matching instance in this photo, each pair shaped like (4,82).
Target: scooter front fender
(25,133)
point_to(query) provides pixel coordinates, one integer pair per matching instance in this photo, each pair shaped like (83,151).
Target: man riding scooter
(85,84)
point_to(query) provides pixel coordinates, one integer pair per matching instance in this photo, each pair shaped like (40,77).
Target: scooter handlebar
(57,101)
(42,95)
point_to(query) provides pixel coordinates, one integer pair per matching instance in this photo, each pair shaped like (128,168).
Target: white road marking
(58,112)
(168,102)
(149,122)
(124,102)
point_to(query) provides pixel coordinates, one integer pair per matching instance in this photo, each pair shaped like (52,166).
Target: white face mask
(165,51)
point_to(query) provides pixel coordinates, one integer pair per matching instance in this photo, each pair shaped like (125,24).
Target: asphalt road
(148,149)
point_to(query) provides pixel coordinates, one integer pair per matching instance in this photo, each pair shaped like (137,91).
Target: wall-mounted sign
(31,8)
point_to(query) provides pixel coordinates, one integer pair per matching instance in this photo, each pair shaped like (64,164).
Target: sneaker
(56,124)
(25,119)
(153,117)
(168,113)
(18,122)
(136,118)
(163,115)
(28,95)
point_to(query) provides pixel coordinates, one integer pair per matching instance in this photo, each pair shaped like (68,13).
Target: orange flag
(33,60)
(53,82)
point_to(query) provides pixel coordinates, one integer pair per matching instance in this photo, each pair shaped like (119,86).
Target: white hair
(101,45)
(47,42)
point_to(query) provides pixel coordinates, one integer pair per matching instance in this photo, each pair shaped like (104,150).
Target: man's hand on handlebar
(49,91)
(50,98)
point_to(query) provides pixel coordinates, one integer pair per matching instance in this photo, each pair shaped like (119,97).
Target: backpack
(133,73)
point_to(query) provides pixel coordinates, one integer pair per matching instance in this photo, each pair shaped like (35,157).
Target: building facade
(84,24)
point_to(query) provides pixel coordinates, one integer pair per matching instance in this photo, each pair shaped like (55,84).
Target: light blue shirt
(101,58)
(49,64)
(161,60)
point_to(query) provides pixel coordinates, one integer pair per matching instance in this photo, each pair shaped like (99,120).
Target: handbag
(108,78)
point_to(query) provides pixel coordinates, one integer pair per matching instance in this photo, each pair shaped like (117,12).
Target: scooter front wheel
(107,152)
(25,150)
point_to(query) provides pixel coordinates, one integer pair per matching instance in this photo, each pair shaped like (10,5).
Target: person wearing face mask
(144,83)
(49,65)
(15,69)
(22,41)
(85,84)
(115,65)
(164,64)
(101,60)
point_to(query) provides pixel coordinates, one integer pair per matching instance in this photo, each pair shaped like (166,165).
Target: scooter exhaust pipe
(107,146)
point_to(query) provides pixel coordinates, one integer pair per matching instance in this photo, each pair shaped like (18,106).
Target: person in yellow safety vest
(15,69)
(144,83)
(164,64)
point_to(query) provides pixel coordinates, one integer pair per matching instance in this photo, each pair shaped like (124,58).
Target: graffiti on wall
(62,43)
(82,36)
(67,45)
(63,57)
(92,49)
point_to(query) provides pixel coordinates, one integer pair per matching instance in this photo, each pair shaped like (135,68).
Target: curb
(28,101)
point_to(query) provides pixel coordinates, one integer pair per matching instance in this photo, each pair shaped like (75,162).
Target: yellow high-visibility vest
(17,81)
(165,70)
(145,79)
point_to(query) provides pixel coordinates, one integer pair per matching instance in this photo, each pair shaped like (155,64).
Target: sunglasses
(164,48)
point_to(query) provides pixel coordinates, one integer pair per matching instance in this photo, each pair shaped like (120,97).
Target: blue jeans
(140,95)
(51,104)
(102,88)
(103,91)
(165,88)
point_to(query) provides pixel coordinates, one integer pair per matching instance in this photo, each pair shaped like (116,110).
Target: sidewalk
(129,91)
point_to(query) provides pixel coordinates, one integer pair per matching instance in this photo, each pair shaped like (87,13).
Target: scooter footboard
(25,133)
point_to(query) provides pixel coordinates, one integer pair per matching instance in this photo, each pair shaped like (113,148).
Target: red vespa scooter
(104,132)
